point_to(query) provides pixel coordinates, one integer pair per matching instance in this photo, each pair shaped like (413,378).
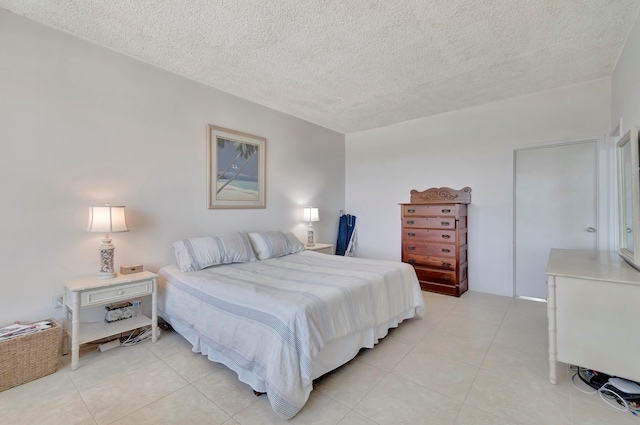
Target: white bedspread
(273,317)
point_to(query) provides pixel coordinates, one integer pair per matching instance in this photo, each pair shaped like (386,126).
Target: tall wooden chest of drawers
(434,238)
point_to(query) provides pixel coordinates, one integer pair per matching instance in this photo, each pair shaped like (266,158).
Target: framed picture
(235,169)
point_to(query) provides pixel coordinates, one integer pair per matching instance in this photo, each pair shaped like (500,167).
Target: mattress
(282,322)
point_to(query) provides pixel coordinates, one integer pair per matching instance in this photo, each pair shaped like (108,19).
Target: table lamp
(311,214)
(107,219)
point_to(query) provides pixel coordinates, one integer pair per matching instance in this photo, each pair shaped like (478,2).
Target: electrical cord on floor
(136,336)
(610,389)
(594,391)
(139,335)
(606,392)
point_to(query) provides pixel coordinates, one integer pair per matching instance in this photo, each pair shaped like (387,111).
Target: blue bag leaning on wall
(346,235)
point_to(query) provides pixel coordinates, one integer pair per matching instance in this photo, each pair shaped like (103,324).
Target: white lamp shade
(311,214)
(107,219)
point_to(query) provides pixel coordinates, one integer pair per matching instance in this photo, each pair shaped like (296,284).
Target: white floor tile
(96,366)
(226,391)
(460,348)
(319,409)
(349,384)
(191,366)
(472,416)
(527,402)
(385,354)
(122,394)
(396,400)
(185,406)
(479,359)
(439,373)
(468,328)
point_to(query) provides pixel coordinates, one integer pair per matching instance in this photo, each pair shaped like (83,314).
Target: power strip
(109,345)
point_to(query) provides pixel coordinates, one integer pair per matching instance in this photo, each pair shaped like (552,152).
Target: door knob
(591,230)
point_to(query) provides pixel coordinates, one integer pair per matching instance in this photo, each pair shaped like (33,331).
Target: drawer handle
(446,278)
(120,292)
(412,261)
(411,210)
(446,264)
(444,223)
(446,211)
(409,221)
(446,250)
(446,236)
(411,248)
(411,234)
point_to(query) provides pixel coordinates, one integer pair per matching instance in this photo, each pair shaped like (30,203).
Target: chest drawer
(430,249)
(437,276)
(435,262)
(432,210)
(445,277)
(109,294)
(434,235)
(429,222)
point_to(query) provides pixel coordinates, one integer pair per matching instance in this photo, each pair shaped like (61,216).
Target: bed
(281,316)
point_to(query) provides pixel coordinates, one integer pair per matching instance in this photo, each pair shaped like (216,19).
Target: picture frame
(236,169)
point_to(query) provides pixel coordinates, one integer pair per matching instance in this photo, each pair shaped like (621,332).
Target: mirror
(629,197)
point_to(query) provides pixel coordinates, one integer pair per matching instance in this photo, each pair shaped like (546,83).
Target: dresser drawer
(432,210)
(429,222)
(109,294)
(434,235)
(444,277)
(435,262)
(438,276)
(430,249)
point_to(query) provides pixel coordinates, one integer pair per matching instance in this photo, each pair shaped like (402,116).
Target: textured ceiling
(358,64)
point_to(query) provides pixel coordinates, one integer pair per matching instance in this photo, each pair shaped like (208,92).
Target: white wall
(625,83)
(471,147)
(81,125)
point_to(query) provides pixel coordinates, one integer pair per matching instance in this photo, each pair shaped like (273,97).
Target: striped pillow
(206,251)
(274,244)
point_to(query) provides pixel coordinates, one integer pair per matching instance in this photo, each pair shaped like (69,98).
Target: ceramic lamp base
(311,235)
(106,260)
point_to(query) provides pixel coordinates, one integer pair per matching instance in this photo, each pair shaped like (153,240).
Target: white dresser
(594,312)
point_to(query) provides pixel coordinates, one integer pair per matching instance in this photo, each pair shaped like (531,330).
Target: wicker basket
(29,357)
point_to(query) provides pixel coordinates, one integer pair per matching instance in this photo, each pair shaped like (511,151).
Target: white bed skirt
(332,355)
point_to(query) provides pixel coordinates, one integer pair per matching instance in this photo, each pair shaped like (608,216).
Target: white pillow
(206,251)
(274,244)
(296,245)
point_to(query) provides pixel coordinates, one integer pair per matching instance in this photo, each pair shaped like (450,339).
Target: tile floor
(477,359)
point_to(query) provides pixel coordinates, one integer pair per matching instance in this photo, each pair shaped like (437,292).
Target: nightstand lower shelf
(94,331)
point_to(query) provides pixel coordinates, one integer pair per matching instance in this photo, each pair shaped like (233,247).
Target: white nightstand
(91,291)
(323,248)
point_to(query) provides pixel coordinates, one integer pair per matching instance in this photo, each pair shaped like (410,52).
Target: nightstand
(323,248)
(91,291)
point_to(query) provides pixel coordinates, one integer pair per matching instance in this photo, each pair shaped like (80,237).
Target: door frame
(605,175)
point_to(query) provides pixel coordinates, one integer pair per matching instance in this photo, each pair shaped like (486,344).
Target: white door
(555,207)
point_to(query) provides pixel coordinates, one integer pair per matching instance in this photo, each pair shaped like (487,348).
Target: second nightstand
(90,291)
(323,248)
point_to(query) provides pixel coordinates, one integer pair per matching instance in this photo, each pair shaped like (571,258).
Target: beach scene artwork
(236,169)
(237,178)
